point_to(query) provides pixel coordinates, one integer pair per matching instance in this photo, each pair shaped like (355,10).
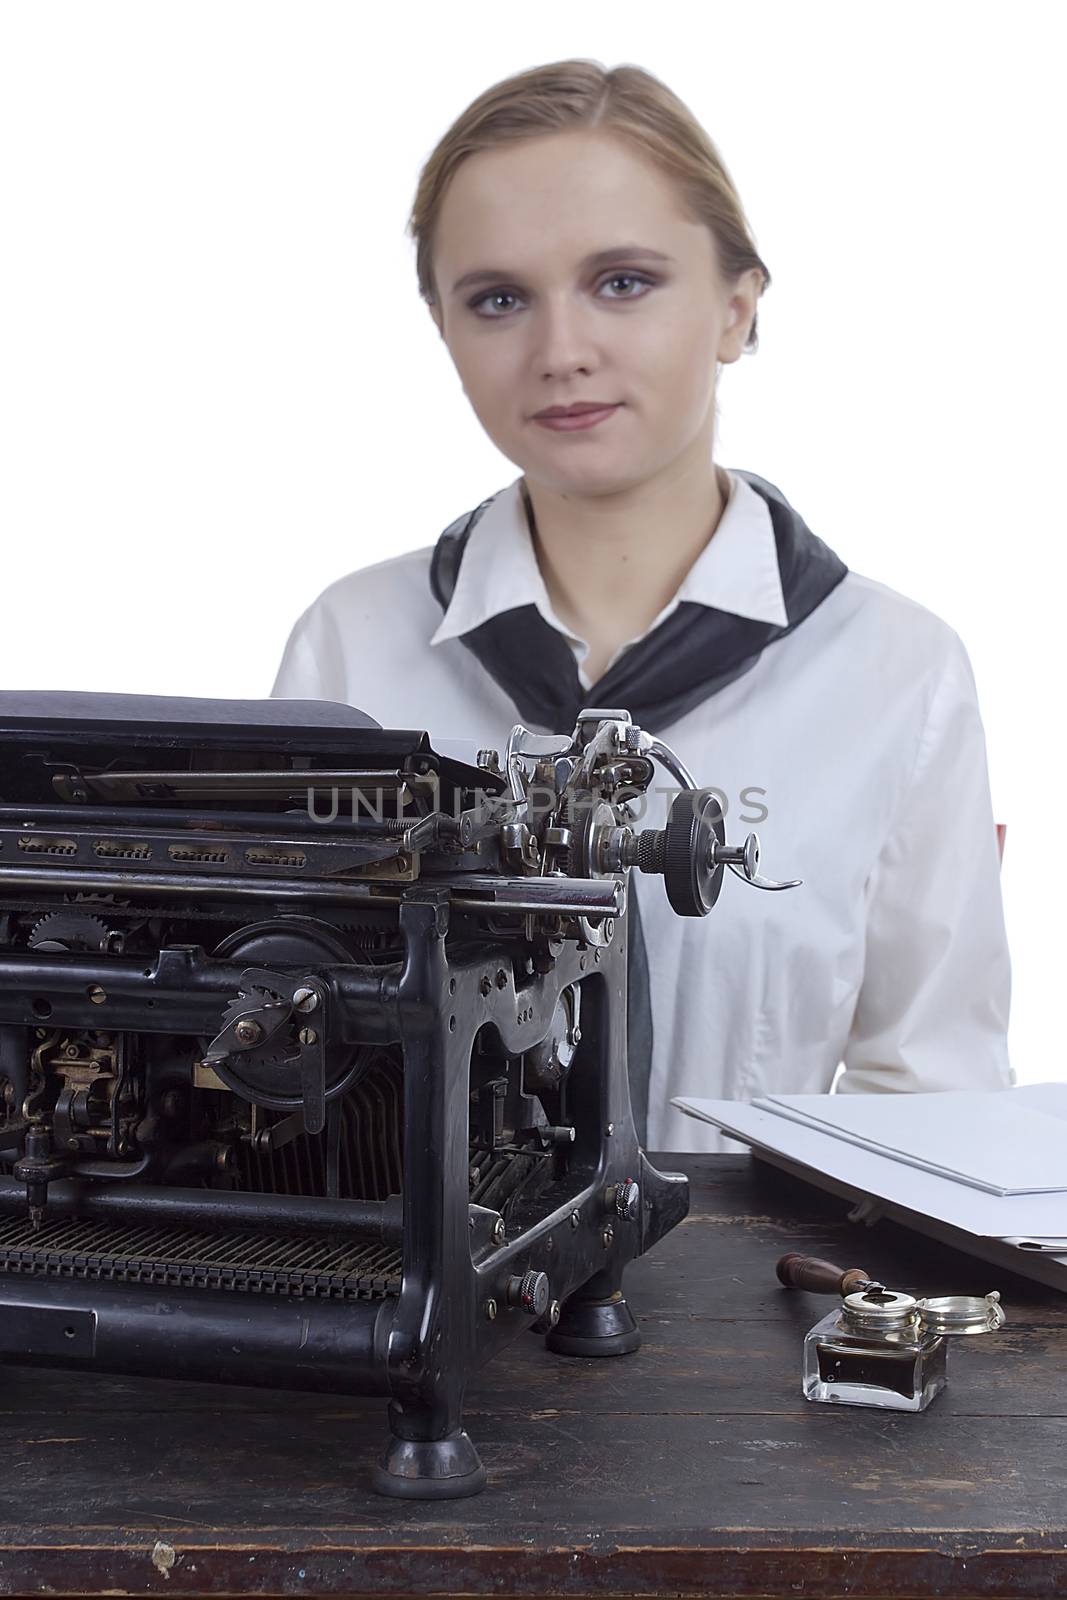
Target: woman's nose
(562,338)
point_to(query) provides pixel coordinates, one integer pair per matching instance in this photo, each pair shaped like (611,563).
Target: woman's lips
(584,419)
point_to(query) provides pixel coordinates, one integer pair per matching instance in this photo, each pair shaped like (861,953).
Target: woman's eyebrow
(599,258)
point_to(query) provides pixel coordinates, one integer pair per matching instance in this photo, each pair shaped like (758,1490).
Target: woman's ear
(743,304)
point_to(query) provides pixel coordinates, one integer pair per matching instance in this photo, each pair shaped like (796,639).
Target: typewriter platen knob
(691,876)
(531,1291)
(683,852)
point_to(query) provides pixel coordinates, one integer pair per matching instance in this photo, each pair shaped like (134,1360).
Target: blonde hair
(625,101)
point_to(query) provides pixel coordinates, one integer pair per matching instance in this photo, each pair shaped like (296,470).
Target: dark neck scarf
(692,654)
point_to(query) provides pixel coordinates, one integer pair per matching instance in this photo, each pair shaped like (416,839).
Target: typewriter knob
(627,1198)
(690,875)
(683,852)
(531,1291)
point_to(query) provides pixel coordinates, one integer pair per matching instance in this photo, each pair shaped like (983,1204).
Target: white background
(216,372)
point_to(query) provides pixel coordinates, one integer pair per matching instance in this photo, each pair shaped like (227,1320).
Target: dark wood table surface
(694,1466)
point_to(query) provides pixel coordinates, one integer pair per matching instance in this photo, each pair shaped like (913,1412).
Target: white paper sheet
(962,1205)
(1006,1142)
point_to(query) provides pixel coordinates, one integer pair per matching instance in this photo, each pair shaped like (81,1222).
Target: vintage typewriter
(313,1047)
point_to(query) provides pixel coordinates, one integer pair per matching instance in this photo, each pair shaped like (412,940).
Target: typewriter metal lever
(748,855)
(267,1002)
(252,1024)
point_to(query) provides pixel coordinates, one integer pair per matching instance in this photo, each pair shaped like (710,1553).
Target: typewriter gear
(69,930)
(255,1058)
(566,849)
(584,819)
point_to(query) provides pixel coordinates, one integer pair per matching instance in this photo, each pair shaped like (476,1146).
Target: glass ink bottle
(880,1347)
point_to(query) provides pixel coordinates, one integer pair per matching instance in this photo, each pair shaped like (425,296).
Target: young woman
(581,244)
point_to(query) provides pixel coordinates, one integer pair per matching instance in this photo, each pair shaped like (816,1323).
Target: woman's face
(545,326)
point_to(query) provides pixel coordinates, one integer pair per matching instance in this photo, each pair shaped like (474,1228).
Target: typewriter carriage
(300,1100)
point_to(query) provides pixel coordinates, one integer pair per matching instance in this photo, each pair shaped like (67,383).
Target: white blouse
(854,748)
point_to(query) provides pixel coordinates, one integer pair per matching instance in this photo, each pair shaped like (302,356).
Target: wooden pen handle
(820,1277)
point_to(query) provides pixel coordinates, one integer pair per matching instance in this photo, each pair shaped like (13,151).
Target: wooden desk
(694,1466)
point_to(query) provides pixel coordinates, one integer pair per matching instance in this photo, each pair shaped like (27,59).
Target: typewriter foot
(590,1327)
(430,1469)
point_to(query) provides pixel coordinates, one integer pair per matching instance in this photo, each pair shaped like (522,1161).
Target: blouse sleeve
(932,1009)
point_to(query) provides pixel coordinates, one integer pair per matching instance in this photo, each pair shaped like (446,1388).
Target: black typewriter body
(313,1049)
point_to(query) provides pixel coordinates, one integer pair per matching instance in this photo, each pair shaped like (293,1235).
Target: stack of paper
(993,1165)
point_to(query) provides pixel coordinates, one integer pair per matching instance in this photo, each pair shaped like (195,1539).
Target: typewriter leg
(430,1469)
(595,1320)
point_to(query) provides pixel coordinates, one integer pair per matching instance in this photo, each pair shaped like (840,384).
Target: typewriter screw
(248,1030)
(490,1310)
(546,1323)
(607,1234)
(305,1000)
(308,1036)
(500,1231)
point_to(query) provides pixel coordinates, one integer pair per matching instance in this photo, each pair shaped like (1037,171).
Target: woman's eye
(616,277)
